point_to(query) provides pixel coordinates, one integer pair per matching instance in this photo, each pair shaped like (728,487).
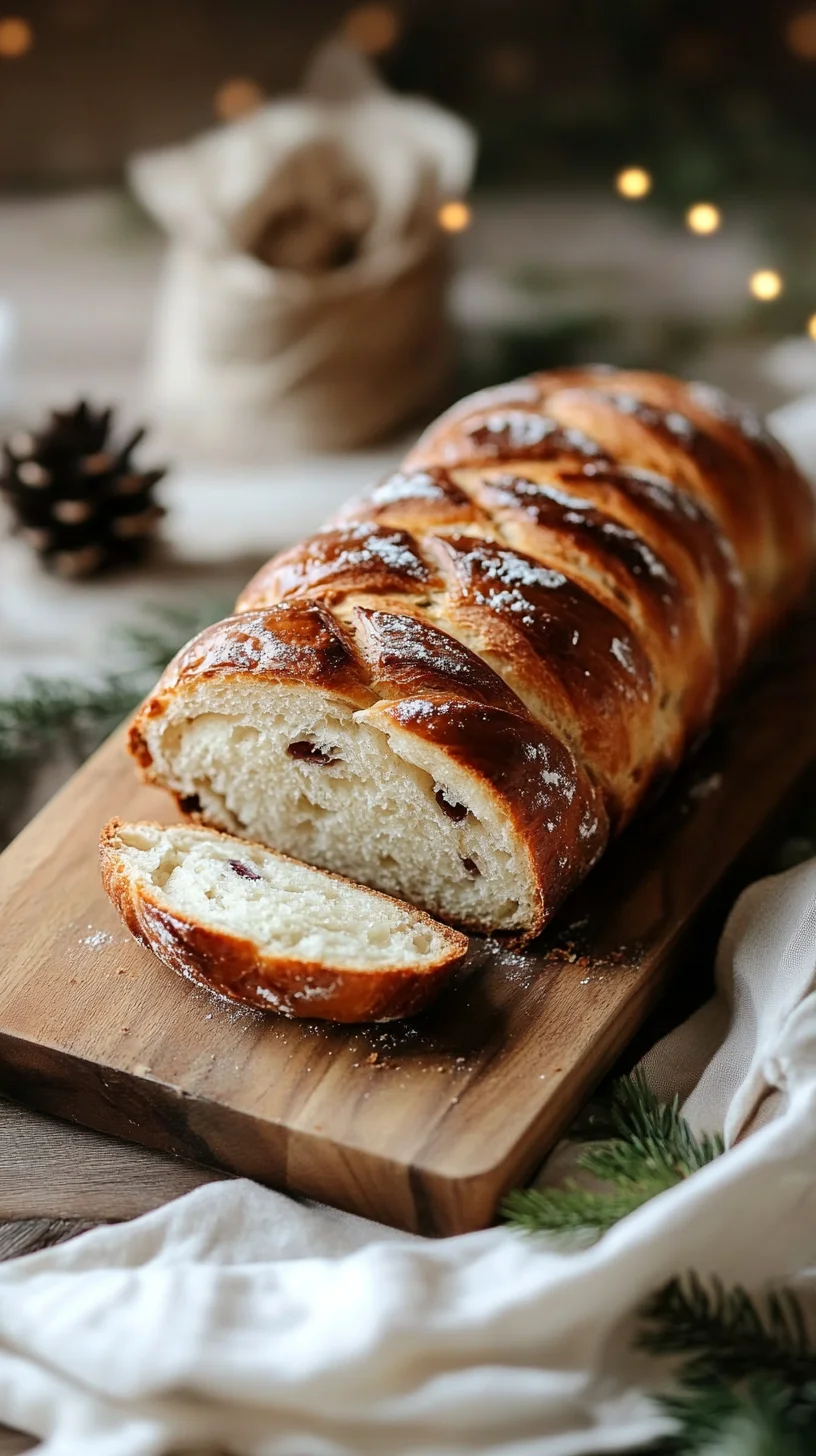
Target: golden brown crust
(299,643)
(560,649)
(592,551)
(692,433)
(361,557)
(532,777)
(416,500)
(236,969)
(406,656)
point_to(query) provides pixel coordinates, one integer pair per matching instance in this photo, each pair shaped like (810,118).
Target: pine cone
(76,497)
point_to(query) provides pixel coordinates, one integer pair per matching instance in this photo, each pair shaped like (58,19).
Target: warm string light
(766,284)
(800,34)
(372,29)
(454,217)
(703,218)
(239,96)
(16,37)
(633,183)
(811,326)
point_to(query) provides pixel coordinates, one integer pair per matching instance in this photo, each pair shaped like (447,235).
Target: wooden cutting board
(423,1124)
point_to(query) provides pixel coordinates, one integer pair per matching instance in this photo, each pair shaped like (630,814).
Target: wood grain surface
(422,1124)
(51,1171)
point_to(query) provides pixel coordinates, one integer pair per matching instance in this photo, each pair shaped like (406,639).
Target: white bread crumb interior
(288,909)
(372,812)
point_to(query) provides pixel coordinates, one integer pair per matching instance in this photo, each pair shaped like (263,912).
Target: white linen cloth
(239,1319)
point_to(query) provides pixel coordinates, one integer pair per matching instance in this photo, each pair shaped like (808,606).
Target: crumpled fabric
(236,1318)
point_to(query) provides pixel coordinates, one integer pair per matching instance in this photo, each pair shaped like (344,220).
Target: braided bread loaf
(462,686)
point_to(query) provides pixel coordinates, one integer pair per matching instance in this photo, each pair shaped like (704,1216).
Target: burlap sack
(302,304)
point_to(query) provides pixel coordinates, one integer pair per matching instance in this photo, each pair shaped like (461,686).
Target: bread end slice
(269,931)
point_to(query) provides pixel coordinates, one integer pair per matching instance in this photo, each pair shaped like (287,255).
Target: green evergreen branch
(573,1209)
(644,1121)
(45,708)
(724,1331)
(48,710)
(764,1418)
(748,1384)
(652,1149)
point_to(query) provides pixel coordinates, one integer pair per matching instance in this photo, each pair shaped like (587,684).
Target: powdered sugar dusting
(654,566)
(513,575)
(589,825)
(704,788)
(518,571)
(306,991)
(677,424)
(554,778)
(392,550)
(97,938)
(525,430)
(663,493)
(516,486)
(419,486)
(585,516)
(622,652)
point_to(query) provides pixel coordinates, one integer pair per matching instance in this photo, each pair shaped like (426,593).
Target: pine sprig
(724,1332)
(748,1384)
(764,1418)
(48,710)
(659,1127)
(572,1209)
(652,1149)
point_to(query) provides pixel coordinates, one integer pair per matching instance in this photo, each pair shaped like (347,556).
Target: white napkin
(237,1318)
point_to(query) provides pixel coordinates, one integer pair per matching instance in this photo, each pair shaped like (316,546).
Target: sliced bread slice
(269,931)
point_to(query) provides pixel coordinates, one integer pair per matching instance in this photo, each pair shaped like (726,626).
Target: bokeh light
(766,284)
(811,326)
(16,36)
(800,34)
(703,218)
(239,96)
(372,29)
(633,183)
(454,217)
